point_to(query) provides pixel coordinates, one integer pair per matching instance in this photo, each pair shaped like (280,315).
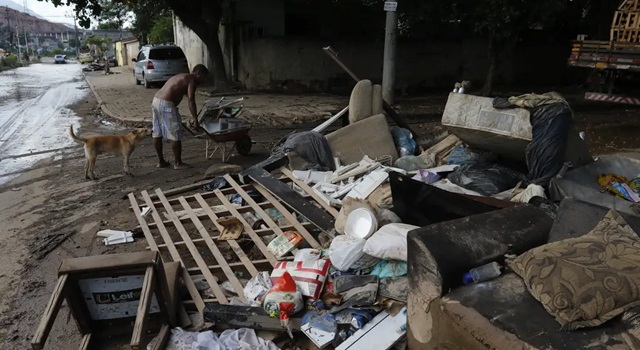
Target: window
(141,56)
(172,53)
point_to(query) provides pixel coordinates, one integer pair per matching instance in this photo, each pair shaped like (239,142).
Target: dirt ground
(51,212)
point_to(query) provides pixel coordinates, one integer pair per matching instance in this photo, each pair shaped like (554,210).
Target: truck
(614,63)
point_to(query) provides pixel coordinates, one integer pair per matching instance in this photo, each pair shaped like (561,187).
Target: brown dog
(124,144)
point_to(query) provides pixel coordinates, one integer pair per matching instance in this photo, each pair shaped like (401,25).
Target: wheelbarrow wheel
(244,146)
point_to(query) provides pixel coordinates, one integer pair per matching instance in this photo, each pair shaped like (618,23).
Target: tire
(138,82)
(244,146)
(147,84)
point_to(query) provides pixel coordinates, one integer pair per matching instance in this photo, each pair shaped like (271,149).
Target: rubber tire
(147,84)
(244,146)
(138,82)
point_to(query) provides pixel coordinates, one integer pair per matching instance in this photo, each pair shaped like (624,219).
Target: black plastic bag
(547,151)
(488,180)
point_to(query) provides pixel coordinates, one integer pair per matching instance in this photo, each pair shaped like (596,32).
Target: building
(114,35)
(127,49)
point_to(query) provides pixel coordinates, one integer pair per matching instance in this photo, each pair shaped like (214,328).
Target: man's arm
(191,95)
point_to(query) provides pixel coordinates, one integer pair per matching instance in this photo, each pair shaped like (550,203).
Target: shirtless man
(167,122)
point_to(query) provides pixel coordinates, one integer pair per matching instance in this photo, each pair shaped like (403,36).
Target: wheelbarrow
(220,126)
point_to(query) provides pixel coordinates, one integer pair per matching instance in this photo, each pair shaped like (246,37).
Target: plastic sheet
(312,147)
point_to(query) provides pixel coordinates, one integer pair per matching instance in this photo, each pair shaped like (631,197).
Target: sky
(50,12)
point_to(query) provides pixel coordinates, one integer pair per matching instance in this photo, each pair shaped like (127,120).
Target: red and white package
(308,275)
(283,300)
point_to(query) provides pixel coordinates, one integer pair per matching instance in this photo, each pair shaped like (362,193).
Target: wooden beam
(50,313)
(294,200)
(146,296)
(86,342)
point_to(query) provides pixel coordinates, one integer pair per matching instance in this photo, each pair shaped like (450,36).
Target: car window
(141,56)
(170,53)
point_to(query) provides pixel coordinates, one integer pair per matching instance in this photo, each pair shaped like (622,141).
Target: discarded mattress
(474,120)
(582,183)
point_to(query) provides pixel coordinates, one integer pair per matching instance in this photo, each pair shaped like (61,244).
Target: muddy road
(35,114)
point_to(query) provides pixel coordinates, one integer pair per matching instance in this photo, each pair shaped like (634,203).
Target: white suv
(157,64)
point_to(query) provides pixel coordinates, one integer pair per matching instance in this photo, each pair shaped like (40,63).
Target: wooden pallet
(626,22)
(192,240)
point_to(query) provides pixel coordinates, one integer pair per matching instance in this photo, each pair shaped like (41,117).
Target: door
(138,67)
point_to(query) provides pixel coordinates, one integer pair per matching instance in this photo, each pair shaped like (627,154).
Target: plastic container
(361,224)
(482,273)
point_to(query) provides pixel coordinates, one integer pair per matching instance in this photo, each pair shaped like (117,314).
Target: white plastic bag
(308,254)
(390,242)
(344,252)
(257,288)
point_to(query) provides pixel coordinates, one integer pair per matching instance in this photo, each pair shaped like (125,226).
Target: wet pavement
(35,115)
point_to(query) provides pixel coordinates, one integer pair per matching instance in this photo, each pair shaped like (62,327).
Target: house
(125,50)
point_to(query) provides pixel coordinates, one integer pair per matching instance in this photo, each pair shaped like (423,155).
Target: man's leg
(157,144)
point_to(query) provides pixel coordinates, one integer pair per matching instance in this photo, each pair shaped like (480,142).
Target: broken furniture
(221,126)
(190,235)
(107,293)
(499,314)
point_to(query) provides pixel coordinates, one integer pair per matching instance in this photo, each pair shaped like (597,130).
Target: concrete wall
(298,65)
(193,47)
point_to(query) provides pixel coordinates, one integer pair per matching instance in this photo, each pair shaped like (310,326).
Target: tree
(101,46)
(73,43)
(201,16)
(147,13)
(113,15)
(162,31)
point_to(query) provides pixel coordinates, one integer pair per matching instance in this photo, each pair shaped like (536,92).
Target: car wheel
(147,84)
(136,79)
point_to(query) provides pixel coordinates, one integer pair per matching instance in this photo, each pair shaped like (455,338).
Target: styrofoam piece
(344,190)
(381,333)
(145,212)
(109,233)
(319,337)
(443,168)
(119,238)
(368,185)
(310,176)
(361,224)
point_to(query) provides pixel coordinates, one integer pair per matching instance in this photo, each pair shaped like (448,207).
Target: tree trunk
(203,18)
(492,51)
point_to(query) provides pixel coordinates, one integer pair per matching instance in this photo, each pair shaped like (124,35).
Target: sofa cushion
(369,137)
(585,281)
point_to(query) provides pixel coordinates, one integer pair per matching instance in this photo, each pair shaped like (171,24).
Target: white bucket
(361,224)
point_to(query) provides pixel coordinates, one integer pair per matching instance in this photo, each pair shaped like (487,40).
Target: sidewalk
(121,99)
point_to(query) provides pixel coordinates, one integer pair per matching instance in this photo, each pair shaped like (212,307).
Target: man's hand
(193,124)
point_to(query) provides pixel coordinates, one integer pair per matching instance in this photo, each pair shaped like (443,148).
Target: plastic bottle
(482,273)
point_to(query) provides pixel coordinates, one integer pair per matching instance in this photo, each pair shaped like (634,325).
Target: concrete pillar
(389,67)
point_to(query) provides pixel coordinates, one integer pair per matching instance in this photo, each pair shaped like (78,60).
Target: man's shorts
(167,122)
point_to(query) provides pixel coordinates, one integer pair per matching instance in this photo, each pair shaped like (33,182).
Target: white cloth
(231,339)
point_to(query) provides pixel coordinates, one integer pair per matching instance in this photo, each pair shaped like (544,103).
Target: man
(167,122)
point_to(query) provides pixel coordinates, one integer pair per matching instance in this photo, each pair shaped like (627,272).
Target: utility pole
(18,40)
(389,64)
(75,27)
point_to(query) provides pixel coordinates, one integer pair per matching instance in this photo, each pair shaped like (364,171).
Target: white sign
(113,298)
(390,6)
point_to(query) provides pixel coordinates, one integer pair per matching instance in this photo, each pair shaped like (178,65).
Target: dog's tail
(74,137)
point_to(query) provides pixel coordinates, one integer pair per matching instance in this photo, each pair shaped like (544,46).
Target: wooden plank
(183,189)
(247,228)
(232,243)
(172,272)
(294,200)
(195,295)
(287,215)
(234,316)
(50,313)
(265,217)
(109,262)
(163,338)
(233,279)
(217,291)
(86,342)
(146,296)
(311,192)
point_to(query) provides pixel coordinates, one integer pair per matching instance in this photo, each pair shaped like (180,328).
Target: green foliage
(73,43)
(10,61)
(147,13)
(101,44)
(60,45)
(57,51)
(162,30)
